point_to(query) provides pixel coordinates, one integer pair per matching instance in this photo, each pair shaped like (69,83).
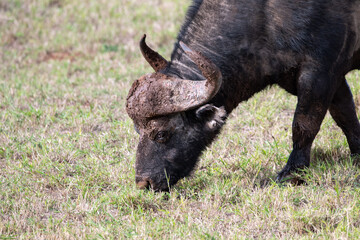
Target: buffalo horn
(158,94)
(156,61)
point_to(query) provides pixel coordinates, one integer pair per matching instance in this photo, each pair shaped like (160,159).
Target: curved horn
(208,69)
(156,61)
(158,94)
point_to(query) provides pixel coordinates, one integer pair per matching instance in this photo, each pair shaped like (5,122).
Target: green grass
(67,146)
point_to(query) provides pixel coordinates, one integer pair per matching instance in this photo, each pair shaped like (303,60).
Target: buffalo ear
(213,117)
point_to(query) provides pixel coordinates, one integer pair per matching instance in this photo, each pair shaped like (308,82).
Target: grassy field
(67,146)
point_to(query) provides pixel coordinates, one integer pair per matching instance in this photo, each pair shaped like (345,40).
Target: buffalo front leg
(342,109)
(314,92)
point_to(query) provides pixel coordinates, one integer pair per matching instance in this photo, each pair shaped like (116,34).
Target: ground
(67,146)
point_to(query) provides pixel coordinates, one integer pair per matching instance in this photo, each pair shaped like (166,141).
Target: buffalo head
(173,118)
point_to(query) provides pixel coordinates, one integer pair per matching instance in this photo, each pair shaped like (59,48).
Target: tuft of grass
(67,147)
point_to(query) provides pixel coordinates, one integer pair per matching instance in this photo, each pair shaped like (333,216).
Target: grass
(67,147)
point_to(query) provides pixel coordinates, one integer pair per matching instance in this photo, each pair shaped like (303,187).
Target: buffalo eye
(161,136)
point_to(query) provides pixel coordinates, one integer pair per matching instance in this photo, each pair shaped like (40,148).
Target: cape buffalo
(228,50)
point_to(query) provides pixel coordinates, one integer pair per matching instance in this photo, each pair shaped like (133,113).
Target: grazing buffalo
(228,50)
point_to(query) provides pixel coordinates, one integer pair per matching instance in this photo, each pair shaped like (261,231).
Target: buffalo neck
(225,38)
(236,40)
(243,76)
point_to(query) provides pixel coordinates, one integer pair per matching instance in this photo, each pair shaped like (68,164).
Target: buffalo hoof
(286,176)
(292,180)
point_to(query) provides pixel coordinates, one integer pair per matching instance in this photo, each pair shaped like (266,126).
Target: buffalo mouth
(143,184)
(157,184)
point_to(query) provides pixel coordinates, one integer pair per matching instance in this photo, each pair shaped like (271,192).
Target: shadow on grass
(323,161)
(332,157)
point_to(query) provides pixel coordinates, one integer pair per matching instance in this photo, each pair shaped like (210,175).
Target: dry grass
(67,147)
